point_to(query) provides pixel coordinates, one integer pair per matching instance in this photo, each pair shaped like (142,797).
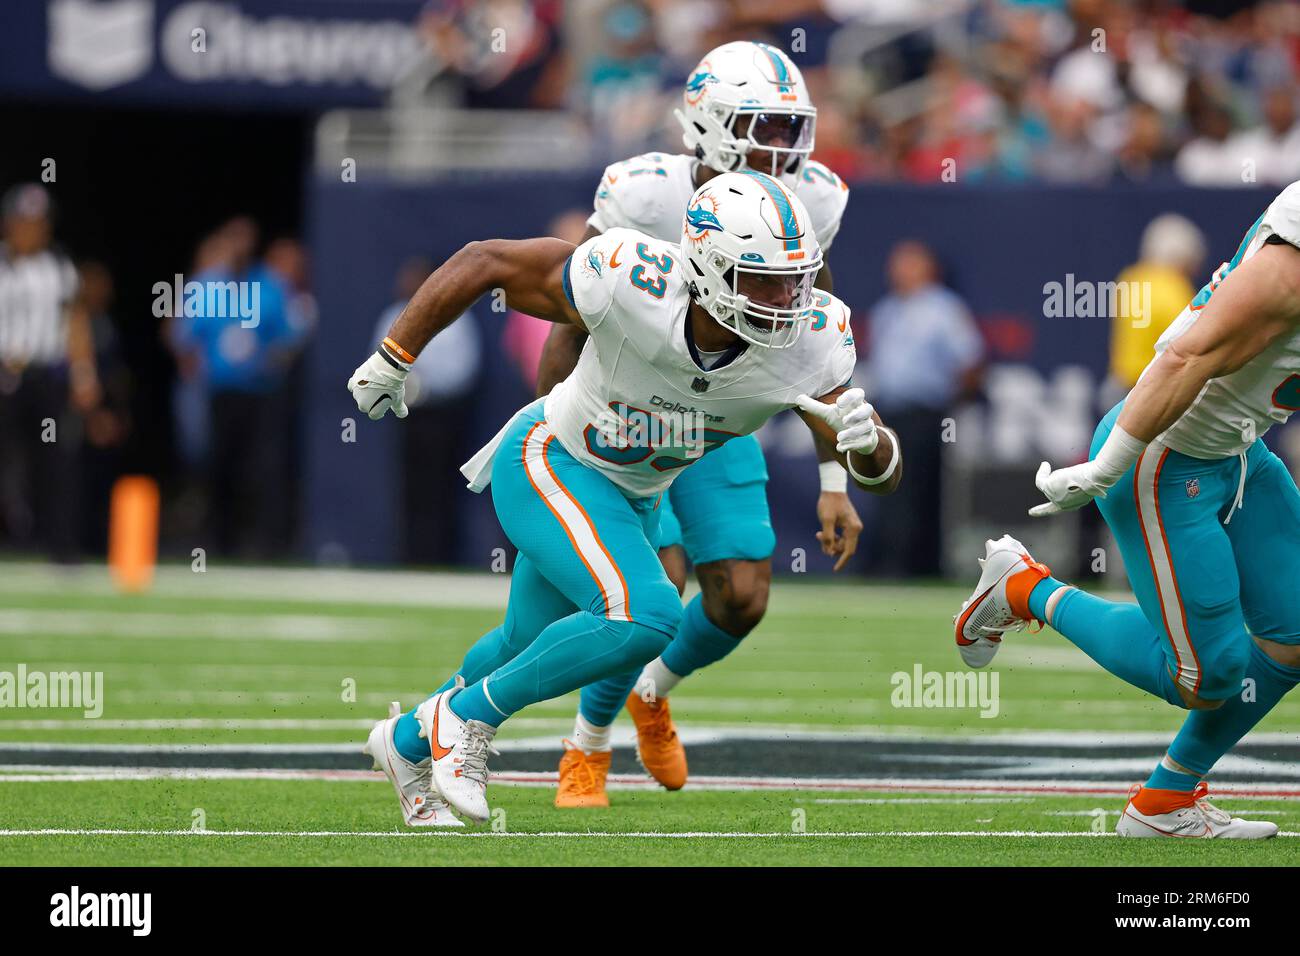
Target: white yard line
(52,773)
(623,736)
(916,801)
(46,773)
(299,585)
(253,627)
(187,723)
(453,834)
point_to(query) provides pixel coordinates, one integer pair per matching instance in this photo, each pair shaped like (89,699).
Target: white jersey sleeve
(589,282)
(621,282)
(632,195)
(1282,219)
(842,356)
(824,195)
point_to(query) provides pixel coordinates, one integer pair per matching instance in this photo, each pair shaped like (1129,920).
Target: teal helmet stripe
(781,200)
(778,66)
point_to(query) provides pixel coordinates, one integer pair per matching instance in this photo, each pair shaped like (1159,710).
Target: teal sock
(698,641)
(570,653)
(488,653)
(1162,778)
(1115,635)
(407,740)
(1039,595)
(601,701)
(474,703)
(1207,735)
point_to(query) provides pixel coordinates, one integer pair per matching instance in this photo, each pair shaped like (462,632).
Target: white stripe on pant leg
(1162,563)
(583,534)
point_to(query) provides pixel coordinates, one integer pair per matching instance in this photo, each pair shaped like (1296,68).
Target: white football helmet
(747,97)
(752,257)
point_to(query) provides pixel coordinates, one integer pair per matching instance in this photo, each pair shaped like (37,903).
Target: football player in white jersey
(745,106)
(577,478)
(1208,522)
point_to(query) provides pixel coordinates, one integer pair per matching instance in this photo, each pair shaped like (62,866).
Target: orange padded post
(133,532)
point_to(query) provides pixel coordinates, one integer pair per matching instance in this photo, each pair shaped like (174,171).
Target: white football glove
(1067,488)
(378,385)
(850,416)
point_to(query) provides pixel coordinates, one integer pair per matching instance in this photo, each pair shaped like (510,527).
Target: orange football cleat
(658,747)
(582,778)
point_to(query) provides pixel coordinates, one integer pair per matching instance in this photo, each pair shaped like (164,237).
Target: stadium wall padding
(998,247)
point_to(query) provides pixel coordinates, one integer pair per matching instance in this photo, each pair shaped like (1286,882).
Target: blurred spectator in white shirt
(1273,147)
(1208,159)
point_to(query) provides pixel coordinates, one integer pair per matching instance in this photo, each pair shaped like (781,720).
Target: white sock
(589,738)
(655,681)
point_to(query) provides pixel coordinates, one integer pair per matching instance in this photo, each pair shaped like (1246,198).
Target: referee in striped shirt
(47,376)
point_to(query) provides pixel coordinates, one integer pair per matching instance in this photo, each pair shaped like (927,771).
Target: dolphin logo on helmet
(752,257)
(748,97)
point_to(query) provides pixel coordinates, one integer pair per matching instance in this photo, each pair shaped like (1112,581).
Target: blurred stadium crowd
(1013,90)
(236,389)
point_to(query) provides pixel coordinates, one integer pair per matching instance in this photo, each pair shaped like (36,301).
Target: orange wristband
(400,352)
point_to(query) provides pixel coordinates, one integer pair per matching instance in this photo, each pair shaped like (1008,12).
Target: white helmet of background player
(747,97)
(751,257)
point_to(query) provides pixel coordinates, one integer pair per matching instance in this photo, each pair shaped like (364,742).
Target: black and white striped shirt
(35,294)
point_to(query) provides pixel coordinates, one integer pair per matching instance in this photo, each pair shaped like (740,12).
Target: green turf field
(724,829)
(256,657)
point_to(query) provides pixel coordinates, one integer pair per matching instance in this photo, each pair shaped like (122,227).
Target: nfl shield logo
(1193,487)
(701,384)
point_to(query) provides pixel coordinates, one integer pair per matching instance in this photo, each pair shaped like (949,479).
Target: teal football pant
(717,510)
(588,597)
(1210,546)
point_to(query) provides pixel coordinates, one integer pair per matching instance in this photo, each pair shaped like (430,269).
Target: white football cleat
(460,750)
(1000,600)
(1197,818)
(421,804)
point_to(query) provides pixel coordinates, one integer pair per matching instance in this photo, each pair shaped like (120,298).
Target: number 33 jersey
(639,407)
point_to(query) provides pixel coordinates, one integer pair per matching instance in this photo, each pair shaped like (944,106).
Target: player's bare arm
(560,355)
(863,445)
(840,521)
(1257,304)
(563,346)
(529,271)
(841,525)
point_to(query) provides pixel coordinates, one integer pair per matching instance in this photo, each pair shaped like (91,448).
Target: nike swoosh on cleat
(970,609)
(1172,833)
(435,744)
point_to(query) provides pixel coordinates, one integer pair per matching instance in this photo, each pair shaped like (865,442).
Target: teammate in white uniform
(1208,521)
(577,480)
(745,106)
